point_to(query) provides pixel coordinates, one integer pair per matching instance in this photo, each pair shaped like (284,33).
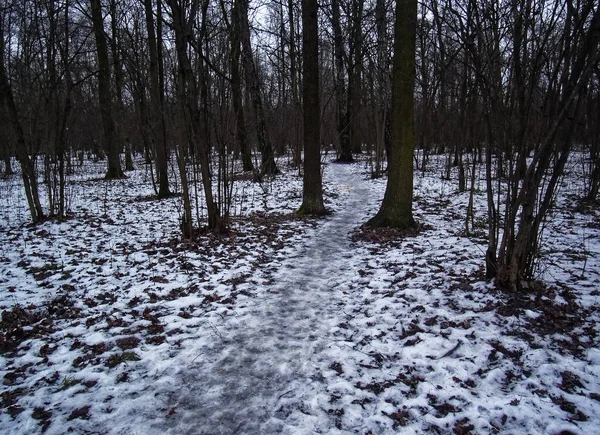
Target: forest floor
(111,324)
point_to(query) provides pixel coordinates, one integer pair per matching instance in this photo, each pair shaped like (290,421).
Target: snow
(289,325)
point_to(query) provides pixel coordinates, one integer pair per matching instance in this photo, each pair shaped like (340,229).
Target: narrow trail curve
(257,378)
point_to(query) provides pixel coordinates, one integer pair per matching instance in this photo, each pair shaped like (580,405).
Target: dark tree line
(197,85)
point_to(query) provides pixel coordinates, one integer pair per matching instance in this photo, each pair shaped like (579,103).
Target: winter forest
(300,217)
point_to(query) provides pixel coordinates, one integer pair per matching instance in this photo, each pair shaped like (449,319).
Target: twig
(216,331)
(289,391)
(451,351)
(192,362)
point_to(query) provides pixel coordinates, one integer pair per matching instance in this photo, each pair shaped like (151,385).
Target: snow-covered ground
(111,324)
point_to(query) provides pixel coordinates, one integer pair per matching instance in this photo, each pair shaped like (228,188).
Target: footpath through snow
(258,375)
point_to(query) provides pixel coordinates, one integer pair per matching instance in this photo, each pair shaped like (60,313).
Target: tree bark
(157,112)
(189,97)
(535,196)
(381,76)
(268,166)
(27,166)
(111,145)
(341,112)
(296,145)
(8,170)
(236,93)
(355,76)
(68,107)
(396,208)
(312,202)
(122,139)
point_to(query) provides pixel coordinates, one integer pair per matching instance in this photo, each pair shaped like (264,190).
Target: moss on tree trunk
(396,208)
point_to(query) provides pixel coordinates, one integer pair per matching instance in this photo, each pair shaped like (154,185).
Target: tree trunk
(216,221)
(396,208)
(236,93)
(381,77)
(68,107)
(8,170)
(355,77)
(104,95)
(157,113)
(312,202)
(592,193)
(518,260)
(122,139)
(186,133)
(296,146)
(594,185)
(341,113)
(491,261)
(268,166)
(27,166)
(189,96)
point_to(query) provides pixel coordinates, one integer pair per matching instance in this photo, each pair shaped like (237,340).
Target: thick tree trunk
(312,202)
(396,208)
(111,145)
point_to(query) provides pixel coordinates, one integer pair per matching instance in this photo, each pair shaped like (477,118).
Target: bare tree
(268,166)
(381,110)
(340,57)
(5,147)
(294,82)
(535,196)
(189,96)
(27,166)
(312,202)
(104,94)
(236,91)
(355,75)
(115,47)
(157,126)
(396,208)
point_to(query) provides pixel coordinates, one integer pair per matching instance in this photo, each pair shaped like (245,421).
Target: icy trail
(258,372)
